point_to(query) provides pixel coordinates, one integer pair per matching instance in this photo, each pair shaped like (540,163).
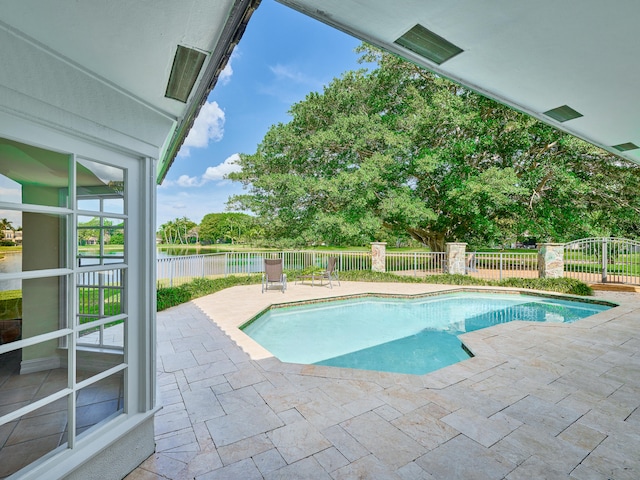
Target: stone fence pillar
(550,260)
(456,258)
(378,256)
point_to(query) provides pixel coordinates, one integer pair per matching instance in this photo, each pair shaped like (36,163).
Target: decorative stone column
(378,255)
(550,260)
(456,258)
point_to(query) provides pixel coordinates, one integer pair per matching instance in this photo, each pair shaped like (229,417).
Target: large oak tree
(399,149)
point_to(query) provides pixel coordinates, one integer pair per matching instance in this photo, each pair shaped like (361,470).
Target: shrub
(171,296)
(369,276)
(199,287)
(561,285)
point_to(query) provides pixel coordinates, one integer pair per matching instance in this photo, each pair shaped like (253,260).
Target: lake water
(165,252)
(11,263)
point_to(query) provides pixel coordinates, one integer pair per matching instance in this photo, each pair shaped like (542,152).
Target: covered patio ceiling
(538,57)
(534,56)
(131,47)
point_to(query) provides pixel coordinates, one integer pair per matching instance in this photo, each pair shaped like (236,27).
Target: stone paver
(537,401)
(298,440)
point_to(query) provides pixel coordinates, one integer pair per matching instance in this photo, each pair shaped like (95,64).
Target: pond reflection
(174,251)
(10,263)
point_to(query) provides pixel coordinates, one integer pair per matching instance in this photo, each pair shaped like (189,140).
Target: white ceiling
(129,44)
(127,47)
(532,55)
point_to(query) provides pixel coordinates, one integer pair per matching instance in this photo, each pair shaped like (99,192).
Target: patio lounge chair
(273,274)
(331,273)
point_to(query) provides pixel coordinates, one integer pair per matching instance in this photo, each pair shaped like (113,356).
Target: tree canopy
(180,230)
(397,150)
(226,227)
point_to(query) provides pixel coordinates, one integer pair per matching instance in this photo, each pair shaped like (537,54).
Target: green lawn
(89,302)
(96,248)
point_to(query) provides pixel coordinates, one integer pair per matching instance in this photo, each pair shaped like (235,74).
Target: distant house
(13,235)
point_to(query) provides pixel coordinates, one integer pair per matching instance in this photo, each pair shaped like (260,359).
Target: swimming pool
(403,335)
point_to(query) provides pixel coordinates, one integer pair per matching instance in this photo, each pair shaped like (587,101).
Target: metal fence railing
(590,260)
(174,271)
(500,265)
(346,261)
(100,297)
(603,260)
(416,263)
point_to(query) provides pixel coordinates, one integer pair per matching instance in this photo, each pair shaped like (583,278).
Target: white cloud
(187,181)
(289,84)
(212,174)
(220,171)
(288,72)
(209,125)
(227,71)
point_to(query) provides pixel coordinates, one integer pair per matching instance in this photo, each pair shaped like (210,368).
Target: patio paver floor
(537,401)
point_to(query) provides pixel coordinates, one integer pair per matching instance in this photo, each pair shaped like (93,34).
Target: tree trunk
(434,240)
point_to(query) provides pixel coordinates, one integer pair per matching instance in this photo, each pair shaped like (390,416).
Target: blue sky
(283,55)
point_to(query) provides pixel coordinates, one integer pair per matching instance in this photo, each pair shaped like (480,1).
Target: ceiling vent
(428,44)
(563,113)
(184,73)
(623,147)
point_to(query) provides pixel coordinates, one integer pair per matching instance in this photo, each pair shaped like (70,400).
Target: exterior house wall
(47,102)
(40,297)
(38,85)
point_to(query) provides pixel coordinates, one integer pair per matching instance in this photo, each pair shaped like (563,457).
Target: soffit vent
(563,113)
(428,44)
(623,147)
(184,73)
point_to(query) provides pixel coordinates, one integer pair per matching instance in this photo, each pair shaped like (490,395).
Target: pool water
(415,335)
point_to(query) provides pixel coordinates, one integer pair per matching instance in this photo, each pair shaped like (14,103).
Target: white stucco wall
(36,84)
(60,124)
(119,458)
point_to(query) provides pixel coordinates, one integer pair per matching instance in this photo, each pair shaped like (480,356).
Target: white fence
(603,260)
(174,271)
(590,260)
(500,265)
(416,263)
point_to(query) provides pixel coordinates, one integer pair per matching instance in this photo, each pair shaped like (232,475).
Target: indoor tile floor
(45,429)
(537,401)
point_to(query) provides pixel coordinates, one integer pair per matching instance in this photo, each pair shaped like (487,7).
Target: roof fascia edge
(231,34)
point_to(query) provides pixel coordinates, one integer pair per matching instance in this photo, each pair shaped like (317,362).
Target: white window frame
(139,349)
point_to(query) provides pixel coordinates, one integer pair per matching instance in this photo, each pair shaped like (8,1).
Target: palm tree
(166,229)
(5,224)
(177,230)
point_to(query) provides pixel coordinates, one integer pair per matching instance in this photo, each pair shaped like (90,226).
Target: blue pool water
(417,335)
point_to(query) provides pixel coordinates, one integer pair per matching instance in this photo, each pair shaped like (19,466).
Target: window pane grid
(63,300)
